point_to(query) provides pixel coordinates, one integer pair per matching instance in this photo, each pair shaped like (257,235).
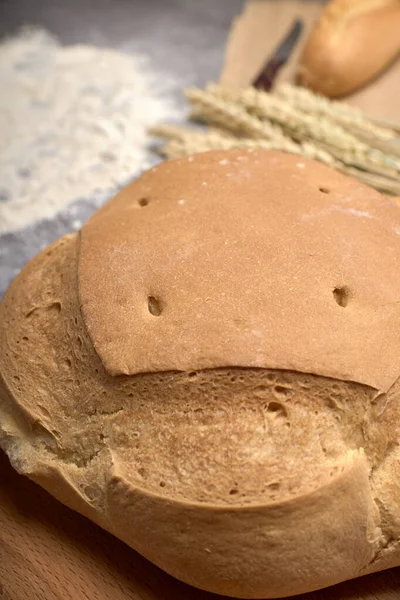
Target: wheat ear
(232,117)
(341,144)
(308,102)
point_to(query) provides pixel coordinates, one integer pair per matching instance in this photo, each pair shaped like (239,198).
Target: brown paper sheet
(258,30)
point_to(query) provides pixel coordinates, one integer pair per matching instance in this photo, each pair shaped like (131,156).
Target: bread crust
(251,481)
(351,43)
(259,300)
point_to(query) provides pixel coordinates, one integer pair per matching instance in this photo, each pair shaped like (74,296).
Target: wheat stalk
(191,145)
(201,142)
(333,138)
(310,103)
(382,138)
(232,117)
(212,109)
(193,141)
(380,135)
(379,182)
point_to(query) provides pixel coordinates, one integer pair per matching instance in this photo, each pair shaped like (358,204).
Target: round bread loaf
(209,370)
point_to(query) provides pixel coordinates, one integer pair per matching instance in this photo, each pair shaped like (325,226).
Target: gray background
(182,38)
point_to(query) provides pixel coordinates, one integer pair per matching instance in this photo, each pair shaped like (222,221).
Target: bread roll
(210,371)
(352,41)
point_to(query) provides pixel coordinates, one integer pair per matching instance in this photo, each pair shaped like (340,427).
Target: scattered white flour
(73,123)
(334,208)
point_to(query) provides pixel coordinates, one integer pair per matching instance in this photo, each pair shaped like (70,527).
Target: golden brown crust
(352,41)
(265,551)
(245,270)
(255,482)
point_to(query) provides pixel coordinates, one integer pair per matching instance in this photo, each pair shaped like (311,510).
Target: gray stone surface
(183,39)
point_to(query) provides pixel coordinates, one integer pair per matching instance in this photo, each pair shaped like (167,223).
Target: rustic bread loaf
(352,41)
(210,371)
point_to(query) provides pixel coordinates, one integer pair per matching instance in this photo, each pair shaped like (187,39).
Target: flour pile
(73,124)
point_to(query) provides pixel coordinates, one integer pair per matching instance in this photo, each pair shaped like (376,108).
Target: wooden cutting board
(48,552)
(259,29)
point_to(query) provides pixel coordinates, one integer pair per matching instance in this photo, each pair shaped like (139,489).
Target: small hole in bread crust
(233,491)
(324,190)
(162,484)
(341,296)
(274,486)
(154,306)
(143,201)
